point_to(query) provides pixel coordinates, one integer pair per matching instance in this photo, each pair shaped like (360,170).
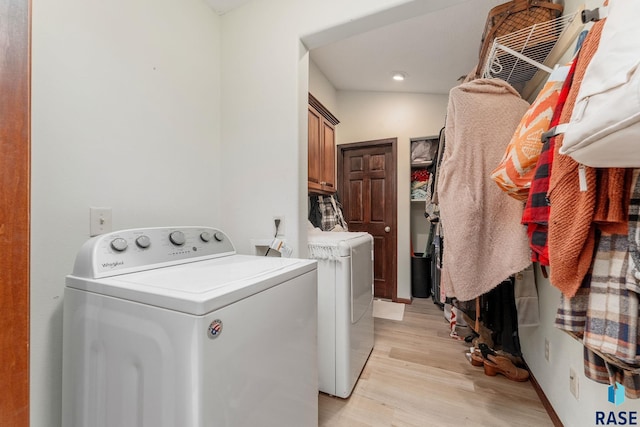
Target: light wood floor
(418,376)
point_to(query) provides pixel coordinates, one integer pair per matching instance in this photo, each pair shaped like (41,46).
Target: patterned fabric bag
(515,172)
(332,218)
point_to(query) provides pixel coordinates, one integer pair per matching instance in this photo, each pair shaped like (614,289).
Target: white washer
(345,307)
(170,327)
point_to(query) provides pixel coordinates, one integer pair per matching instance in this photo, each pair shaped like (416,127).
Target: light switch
(99,221)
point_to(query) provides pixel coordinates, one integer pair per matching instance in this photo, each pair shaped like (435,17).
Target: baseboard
(403,301)
(555,419)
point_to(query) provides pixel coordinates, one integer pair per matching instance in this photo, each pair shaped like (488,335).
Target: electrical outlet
(573,382)
(278,230)
(99,221)
(546,349)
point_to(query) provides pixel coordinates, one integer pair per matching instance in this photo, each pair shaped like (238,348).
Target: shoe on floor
(494,364)
(476,358)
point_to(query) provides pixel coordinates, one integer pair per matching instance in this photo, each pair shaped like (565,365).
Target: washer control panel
(127,251)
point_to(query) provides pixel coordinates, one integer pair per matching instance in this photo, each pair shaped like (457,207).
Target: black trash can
(420,276)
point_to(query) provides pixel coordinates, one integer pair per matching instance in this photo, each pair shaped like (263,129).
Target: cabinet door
(327,176)
(314,156)
(322,149)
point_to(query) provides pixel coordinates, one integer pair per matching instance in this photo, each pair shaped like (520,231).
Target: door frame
(393,142)
(15,173)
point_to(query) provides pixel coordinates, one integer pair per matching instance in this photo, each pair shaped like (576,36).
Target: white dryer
(170,327)
(345,307)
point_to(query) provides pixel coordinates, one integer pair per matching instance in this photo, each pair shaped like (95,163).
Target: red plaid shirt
(537,208)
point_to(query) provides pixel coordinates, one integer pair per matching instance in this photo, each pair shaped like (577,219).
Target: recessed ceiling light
(399,76)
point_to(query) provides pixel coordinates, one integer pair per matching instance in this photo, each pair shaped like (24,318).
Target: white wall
(144,107)
(125,114)
(565,352)
(368,116)
(264,134)
(322,89)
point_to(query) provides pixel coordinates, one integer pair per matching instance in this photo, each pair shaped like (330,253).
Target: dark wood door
(14,212)
(367,182)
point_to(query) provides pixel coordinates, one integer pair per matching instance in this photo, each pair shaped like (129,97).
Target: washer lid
(329,244)
(198,287)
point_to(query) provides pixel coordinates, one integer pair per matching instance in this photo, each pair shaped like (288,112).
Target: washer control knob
(218,236)
(205,236)
(143,242)
(177,238)
(119,244)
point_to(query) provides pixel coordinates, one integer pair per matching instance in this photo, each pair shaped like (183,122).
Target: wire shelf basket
(518,56)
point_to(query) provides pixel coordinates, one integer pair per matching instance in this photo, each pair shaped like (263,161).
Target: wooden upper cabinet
(322,148)
(315,128)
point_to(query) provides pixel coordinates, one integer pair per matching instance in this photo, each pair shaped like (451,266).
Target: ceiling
(433,50)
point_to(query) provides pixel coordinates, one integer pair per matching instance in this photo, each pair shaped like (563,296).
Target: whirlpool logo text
(113,264)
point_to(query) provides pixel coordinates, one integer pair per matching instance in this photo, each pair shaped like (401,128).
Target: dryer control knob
(177,238)
(218,236)
(119,244)
(143,242)
(205,236)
